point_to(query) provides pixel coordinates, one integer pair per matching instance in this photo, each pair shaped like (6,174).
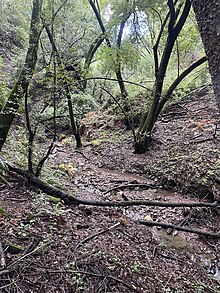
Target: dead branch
(133,185)
(94,275)
(97,234)
(202,140)
(71,200)
(4,272)
(2,256)
(215,132)
(14,262)
(32,245)
(13,266)
(6,286)
(82,153)
(185,229)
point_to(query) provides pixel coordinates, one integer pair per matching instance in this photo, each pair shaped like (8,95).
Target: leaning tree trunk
(118,72)
(144,139)
(15,97)
(208,19)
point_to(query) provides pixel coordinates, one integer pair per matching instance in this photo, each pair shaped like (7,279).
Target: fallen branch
(6,286)
(45,187)
(133,185)
(37,249)
(71,200)
(12,266)
(97,234)
(104,276)
(2,256)
(32,245)
(202,140)
(185,229)
(4,272)
(82,153)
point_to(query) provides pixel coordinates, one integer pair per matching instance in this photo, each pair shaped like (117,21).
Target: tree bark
(69,199)
(10,108)
(208,19)
(118,72)
(144,140)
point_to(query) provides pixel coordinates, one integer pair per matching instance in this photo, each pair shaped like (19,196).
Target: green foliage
(82,103)
(75,28)
(53,199)
(16,147)
(2,210)
(137,267)
(4,91)
(15,18)
(3,172)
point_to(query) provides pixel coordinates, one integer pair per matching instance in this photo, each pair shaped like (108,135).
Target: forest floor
(49,247)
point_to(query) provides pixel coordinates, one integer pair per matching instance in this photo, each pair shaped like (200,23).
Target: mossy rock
(54,200)
(54,183)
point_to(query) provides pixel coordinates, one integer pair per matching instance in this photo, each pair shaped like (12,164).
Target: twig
(169,257)
(97,234)
(215,132)
(82,153)
(8,285)
(17,199)
(167,283)
(118,180)
(2,256)
(185,229)
(117,80)
(94,275)
(58,10)
(202,140)
(45,157)
(32,245)
(133,185)
(25,256)
(4,272)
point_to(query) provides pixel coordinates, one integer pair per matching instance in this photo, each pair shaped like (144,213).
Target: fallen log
(133,185)
(68,199)
(179,228)
(71,200)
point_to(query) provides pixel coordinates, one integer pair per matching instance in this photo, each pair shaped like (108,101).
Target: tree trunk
(73,121)
(144,140)
(10,108)
(118,72)
(208,19)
